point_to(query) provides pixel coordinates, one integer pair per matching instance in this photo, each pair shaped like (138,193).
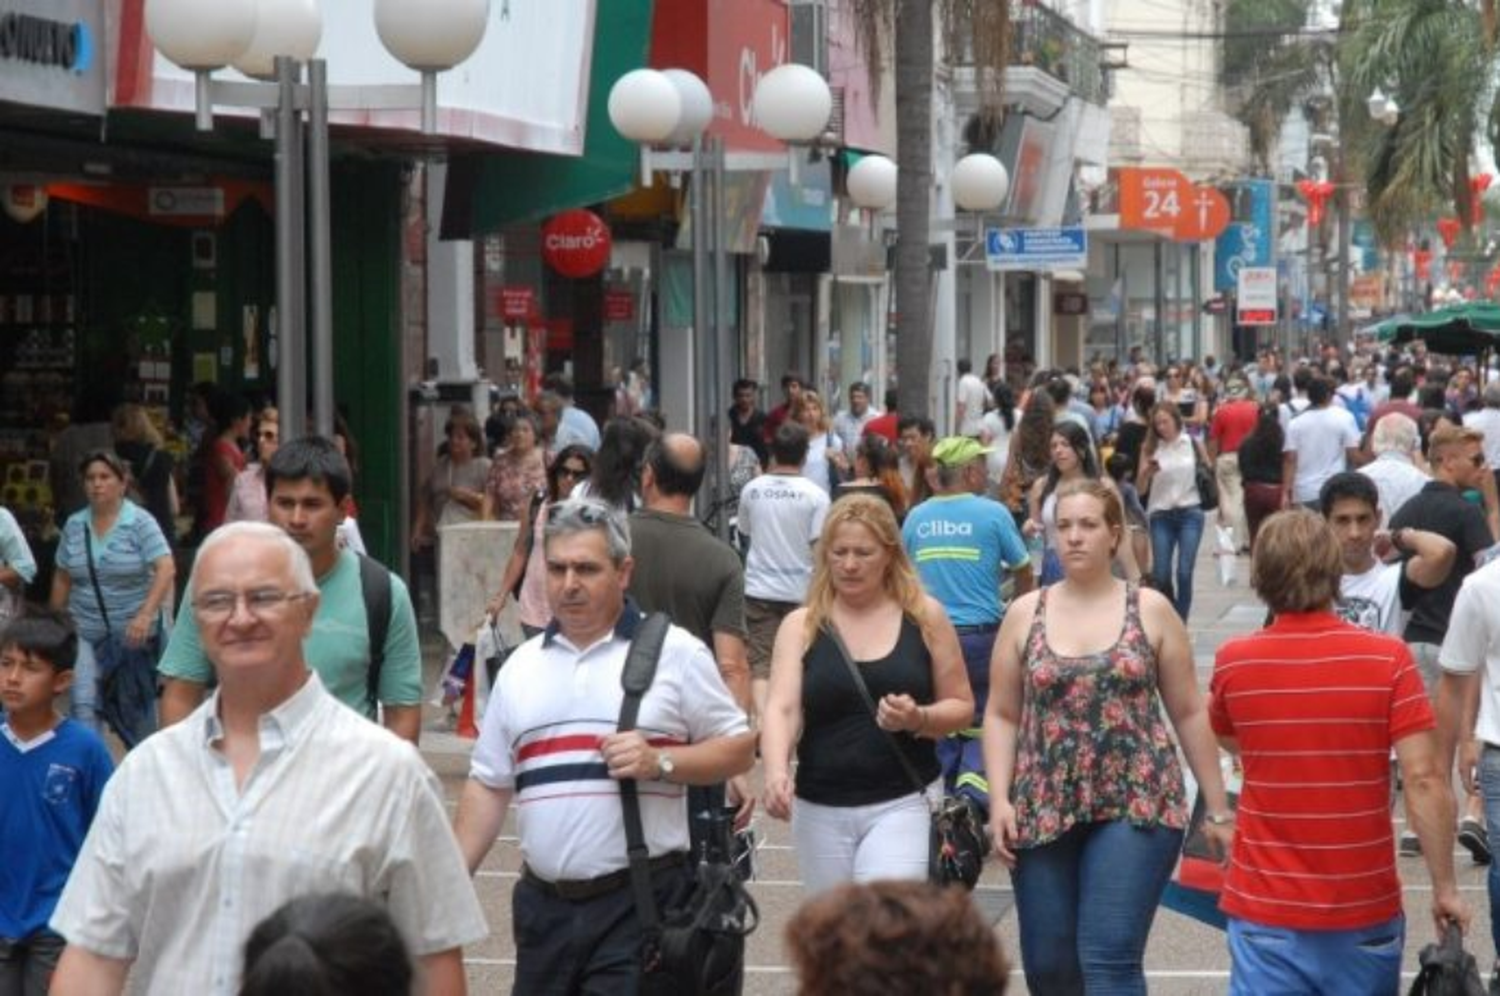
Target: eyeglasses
(217,606)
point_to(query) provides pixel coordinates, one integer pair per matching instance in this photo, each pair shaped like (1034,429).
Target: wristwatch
(1219,819)
(664,766)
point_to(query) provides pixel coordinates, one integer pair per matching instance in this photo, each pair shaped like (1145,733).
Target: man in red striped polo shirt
(1313,706)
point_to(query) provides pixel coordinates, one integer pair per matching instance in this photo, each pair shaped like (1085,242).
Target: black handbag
(1447,969)
(695,944)
(955,841)
(1204,480)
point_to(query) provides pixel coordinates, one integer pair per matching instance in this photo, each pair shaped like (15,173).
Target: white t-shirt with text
(782,515)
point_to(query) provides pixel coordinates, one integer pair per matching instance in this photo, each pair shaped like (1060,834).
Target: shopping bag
(1225,555)
(1194,889)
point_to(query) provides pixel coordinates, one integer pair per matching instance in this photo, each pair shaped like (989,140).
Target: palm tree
(1433,57)
(1269,67)
(907,28)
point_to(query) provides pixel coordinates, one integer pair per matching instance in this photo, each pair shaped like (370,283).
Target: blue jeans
(1085,903)
(84,693)
(1180,530)
(1277,961)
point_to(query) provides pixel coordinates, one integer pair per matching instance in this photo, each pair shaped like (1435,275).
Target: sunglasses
(268,434)
(566,471)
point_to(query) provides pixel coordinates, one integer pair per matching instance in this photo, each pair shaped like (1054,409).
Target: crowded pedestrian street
(808,497)
(1184,957)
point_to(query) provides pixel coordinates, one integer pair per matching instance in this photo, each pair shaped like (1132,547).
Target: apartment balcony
(1050,60)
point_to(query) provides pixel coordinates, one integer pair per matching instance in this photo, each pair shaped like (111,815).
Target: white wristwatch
(664,766)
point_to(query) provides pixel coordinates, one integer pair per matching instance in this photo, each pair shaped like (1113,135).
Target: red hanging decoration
(1316,193)
(1448,229)
(1422,263)
(1477,186)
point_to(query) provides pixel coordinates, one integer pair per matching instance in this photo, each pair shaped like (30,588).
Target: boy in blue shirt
(52,773)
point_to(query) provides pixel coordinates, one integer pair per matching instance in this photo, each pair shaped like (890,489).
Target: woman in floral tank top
(1088,805)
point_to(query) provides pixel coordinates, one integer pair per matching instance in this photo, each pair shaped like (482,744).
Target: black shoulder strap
(375,586)
(88,551)
(640,671)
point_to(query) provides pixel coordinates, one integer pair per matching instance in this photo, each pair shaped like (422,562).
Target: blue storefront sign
(1251,234)
(1036,248)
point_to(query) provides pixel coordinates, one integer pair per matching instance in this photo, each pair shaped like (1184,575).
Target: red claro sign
(576,243)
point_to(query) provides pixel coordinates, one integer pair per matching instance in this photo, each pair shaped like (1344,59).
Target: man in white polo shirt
(549,743)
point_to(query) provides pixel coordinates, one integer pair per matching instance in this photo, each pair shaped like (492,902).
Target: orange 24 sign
(1167,203)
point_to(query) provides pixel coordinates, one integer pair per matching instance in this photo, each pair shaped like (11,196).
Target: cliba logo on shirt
(939,528)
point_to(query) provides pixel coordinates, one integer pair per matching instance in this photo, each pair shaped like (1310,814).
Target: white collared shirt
(180,864)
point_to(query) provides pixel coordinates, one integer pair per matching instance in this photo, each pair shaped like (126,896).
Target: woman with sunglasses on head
(526,571)
(113,574)
(248,499)
(1072,460)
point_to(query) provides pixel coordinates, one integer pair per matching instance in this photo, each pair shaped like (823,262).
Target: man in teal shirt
(962,543)
(307,481)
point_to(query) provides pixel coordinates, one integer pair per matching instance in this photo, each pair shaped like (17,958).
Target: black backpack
(375,587)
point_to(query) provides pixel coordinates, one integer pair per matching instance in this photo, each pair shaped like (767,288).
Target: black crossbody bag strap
(88,550)
(864,694)
(640,671)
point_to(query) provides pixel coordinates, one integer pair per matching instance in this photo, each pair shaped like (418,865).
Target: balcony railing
(1047,40)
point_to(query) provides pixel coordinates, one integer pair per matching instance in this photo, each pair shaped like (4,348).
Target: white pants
(837,844)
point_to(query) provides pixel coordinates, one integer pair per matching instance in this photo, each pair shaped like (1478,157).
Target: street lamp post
(670,110)
(272,41)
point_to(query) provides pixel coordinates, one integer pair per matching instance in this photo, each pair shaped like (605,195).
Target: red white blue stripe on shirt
(563,759)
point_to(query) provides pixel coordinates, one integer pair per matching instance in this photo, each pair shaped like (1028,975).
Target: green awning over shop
(487,191)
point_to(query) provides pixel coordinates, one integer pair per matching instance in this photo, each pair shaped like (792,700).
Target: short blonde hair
(1296,565)
(1449,437)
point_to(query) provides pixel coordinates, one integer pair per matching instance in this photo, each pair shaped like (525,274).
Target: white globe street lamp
(202,37)
(645,106)
(431,37)
(285,27)
(1375,103)
(872,183)
(980,183)
(697,107)
(793,103)
(1392,113)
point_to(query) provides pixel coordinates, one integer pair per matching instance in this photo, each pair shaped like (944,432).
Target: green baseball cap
(955,451)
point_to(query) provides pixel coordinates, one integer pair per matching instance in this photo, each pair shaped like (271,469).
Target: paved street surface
(1184,958)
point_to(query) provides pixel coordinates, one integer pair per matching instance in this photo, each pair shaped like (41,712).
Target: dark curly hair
(895,939)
